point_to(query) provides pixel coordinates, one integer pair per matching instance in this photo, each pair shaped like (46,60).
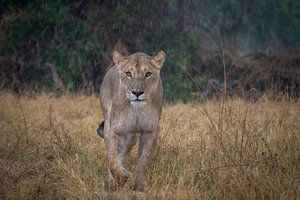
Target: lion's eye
(128,74)
(148,74)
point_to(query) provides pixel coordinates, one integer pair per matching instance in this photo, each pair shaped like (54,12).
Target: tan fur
(126,118)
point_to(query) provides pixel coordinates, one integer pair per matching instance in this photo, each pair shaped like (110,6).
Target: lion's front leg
(146,146)
(125,143)
(117,146)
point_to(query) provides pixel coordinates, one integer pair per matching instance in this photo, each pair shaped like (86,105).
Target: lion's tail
(100,129)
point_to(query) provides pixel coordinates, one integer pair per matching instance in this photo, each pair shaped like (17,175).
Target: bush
(78,37)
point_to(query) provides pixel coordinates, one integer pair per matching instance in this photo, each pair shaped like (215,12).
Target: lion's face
(139,75)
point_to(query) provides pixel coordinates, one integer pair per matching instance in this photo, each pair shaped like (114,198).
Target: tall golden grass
(49,149)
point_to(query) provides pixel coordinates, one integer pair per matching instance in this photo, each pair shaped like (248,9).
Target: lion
(131,96)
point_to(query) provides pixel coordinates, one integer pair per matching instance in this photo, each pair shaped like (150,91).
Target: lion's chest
(136,120)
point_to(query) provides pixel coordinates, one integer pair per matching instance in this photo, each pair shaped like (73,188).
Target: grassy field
(49,149)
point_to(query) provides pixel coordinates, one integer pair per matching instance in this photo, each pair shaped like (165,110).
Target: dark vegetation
(67,45)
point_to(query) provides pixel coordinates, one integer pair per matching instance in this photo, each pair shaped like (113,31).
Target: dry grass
(49,149)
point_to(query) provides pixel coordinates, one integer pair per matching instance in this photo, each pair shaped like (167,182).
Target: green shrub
(78,36)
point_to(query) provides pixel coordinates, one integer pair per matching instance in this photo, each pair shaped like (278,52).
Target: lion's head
(139,75)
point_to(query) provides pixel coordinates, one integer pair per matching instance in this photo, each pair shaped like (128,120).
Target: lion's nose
(137,94)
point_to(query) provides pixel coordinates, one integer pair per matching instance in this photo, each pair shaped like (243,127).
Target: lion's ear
(117,57)
(160,58)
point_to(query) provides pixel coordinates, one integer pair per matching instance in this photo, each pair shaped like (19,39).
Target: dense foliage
(79,36)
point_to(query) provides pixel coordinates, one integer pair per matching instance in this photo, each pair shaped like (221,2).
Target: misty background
(66,46)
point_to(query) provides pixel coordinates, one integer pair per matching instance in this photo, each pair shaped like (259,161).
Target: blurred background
(239,46)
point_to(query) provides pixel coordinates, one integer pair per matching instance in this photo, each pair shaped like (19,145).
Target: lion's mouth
(137,100)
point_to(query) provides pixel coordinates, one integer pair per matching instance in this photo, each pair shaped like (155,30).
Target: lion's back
(108,88)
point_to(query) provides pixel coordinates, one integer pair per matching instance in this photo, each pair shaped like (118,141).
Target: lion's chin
(138,103)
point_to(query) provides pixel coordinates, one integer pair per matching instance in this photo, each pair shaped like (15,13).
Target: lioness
(131,96)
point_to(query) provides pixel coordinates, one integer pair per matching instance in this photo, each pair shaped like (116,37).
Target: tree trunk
(58,83)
